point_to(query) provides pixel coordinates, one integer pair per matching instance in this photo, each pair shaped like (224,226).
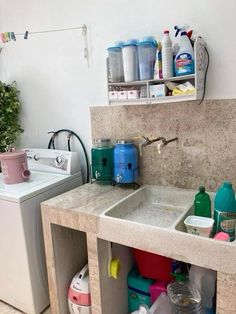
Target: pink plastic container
(157,288)
(14,166)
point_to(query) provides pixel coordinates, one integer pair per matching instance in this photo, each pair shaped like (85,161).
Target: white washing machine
(23,277)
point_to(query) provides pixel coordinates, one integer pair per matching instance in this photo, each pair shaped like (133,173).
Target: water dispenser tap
(163,142)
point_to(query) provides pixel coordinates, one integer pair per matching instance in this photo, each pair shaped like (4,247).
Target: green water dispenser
(102,160)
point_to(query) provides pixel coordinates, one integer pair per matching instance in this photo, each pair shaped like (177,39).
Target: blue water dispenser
(125,162)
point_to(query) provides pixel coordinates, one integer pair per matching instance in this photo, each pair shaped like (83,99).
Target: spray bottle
(178,29)
(184,59)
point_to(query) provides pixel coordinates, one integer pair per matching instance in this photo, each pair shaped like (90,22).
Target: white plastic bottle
(143,309)
(160,306)
(167,56)
(184,60)
(205,280)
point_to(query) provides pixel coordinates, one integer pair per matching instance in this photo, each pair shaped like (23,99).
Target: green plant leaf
(10,107)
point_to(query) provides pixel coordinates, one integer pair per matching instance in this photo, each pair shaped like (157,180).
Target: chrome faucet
(163,142)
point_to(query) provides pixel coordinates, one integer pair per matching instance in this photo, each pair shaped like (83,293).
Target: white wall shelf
(174,79)
(196,79)
(152,101)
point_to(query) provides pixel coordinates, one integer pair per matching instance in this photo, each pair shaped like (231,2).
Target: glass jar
(102,159)
(125,162)
(184,298)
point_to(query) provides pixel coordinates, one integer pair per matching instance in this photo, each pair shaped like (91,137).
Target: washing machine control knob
(36,157)
(59,160)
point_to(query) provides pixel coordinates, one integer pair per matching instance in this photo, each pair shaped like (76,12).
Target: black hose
(205,77)
(52,140)
(51,143)
(68,141)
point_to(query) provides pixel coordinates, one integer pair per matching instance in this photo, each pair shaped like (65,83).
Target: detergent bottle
(167,56)
(202,203)
(225,210)
(184,59)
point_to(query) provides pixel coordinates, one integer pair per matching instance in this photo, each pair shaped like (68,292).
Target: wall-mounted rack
(197,79)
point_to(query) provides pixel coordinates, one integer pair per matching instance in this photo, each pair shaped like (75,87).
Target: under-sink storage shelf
(115,293)
(197,80)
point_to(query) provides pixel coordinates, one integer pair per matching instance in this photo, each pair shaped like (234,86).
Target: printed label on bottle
(184,64)
(176,266)
(225,222)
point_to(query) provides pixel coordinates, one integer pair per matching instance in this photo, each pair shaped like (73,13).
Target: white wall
(56,86)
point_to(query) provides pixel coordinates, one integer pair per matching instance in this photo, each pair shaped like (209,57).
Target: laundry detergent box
(138,290)
(158,90)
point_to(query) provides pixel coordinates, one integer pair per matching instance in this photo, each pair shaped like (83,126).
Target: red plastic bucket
(154,266)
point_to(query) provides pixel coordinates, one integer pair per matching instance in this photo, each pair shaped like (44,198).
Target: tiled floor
(6,309)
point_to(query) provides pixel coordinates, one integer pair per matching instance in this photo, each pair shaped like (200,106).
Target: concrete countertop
(91,199)
(82,209)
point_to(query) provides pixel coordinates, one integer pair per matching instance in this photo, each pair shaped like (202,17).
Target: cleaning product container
(155,266)
(146,55)
(115,62)
(201,226)
(160,306)
(202,203)
(205,281)
(167,56)
(225,210)
(102,159)
(143,309)
(138,290)
(130,60)
(157,288)
(79,299)
(158,63)
(184,298)
(184,60)
(125,162)
(14,166)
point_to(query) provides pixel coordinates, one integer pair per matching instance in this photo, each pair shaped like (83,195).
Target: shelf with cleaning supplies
(6,37)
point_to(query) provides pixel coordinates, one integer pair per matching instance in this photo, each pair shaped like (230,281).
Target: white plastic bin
(205,280)
(130,60)
(199,225)
(147,54)
(116,63)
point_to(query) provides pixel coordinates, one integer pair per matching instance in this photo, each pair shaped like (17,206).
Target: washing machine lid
(38,183)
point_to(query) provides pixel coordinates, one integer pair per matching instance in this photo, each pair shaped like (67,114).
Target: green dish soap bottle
(202,203)
(225,210)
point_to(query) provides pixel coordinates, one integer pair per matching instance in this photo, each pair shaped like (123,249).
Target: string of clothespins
(6,37)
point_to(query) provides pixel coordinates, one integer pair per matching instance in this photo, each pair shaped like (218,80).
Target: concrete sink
(154,205)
